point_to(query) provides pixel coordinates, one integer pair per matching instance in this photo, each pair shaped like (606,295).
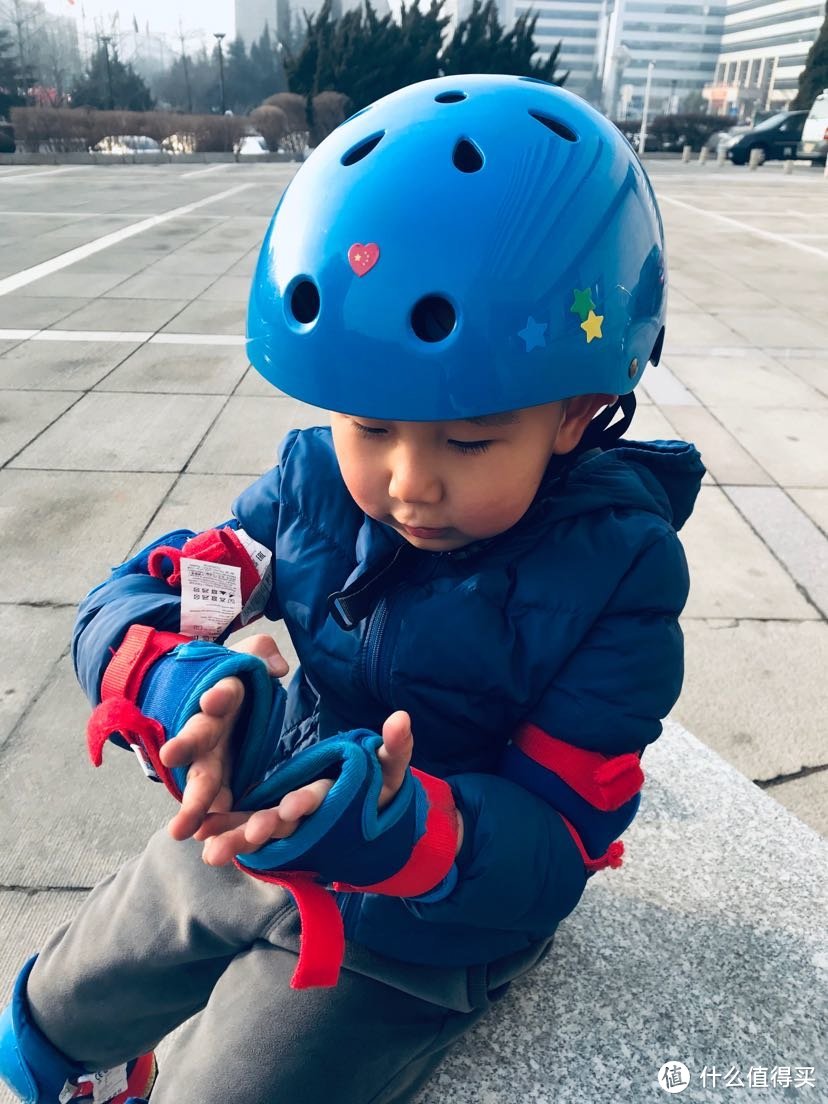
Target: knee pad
(38,1073)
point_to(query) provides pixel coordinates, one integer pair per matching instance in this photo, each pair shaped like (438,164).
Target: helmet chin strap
(600,434)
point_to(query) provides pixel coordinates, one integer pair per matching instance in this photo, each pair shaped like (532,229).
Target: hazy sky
(163,15)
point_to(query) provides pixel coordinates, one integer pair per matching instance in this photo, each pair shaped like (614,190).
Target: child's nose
(413,480)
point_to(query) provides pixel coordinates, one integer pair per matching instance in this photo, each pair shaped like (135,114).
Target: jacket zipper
(373,643)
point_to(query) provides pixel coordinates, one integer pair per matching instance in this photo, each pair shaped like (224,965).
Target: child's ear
(578,413)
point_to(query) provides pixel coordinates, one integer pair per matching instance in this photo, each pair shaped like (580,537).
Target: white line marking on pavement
(746,226)
(201,172)
(13,179)
(126,336)
(167,338)
(63,260)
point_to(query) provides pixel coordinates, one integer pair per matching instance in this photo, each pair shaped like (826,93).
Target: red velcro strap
(606,782)
(139,649)
(611,857)
(433,853)
(322,935)
(212,546)
(144,733)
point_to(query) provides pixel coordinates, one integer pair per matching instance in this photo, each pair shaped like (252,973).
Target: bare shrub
(271,122)
(329,110)
(295,137)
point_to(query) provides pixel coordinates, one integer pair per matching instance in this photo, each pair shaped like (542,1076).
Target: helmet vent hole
(304,302)
(450,97)
(433,318)
(561,129)
(467,157)
(362,149)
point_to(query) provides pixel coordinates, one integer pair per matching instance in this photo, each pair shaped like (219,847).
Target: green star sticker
(582,303)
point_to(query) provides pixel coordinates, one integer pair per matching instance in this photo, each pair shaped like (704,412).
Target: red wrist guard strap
(606,782)
(433,853)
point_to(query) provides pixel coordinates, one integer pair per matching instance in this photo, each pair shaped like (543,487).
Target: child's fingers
(265,647)
(303,802)
(394,754)
(215,823)
(204,783)
(206,730)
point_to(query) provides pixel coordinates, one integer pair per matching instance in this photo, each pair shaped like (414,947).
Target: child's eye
(368,431)
(470,446)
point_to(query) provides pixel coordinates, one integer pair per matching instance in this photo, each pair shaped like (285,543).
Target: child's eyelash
(461,446)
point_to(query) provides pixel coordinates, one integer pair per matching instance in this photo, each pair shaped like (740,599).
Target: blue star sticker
(533,333)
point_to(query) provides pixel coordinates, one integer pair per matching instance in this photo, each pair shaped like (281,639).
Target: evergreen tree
(479,45)
(128,92)
(9,74)
(240,85)
(266,64)
(814,77)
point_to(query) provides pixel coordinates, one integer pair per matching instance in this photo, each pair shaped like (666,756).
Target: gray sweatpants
(168,940)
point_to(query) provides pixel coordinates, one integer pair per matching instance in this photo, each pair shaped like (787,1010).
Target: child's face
(445,484)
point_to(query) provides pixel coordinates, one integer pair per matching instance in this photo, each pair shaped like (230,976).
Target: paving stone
(69,284)
(754,693)
(130,315)
(665,389)
(732,573)
(247,434)
(719,381)
(789,446)
(791,536)
(806,798)
(133,432)
(698,329)
(60,365)
(151,284)
(195,369)
(723,456)
(203,316)
(35,638)
(254,383)
(777,327)
(24,414)
(812,371)
(195,502)
(102,816)
(649,424)
(20,311)
(228,289)
(815,504)
(73,526)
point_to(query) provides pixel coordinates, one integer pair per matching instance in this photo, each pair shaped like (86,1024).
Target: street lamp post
(642,134)
(218,37)
(105,39)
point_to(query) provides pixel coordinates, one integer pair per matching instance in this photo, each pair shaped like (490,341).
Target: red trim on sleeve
(322,935)
(212,546)
(433,853)
(611,857)
(606,782)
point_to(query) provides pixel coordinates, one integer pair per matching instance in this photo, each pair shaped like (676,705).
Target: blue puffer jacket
(536,666)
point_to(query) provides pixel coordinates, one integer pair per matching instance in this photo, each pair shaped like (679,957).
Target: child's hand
(240,833)
(204,742)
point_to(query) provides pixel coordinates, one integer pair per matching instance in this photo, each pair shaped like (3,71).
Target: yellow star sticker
(592,326)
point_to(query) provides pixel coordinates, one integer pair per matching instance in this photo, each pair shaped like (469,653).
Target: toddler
(482,581)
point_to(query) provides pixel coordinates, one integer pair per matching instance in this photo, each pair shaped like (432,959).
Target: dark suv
(777,138)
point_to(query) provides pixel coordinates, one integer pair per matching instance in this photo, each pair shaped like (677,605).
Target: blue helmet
(464,246)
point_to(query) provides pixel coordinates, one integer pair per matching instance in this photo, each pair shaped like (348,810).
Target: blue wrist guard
(152,687)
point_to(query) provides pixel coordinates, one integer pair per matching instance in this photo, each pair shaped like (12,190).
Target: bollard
(721,157)
(756,158)
(685,154)
(788,167)
(703,152)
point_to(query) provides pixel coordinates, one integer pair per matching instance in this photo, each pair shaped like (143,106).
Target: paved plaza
(127,409)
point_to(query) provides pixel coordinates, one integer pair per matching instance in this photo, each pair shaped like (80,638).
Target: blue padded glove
(348,840)
(152,687)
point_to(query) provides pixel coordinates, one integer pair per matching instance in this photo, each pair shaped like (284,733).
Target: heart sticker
(362,258)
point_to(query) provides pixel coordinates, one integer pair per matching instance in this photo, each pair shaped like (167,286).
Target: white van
(813,145)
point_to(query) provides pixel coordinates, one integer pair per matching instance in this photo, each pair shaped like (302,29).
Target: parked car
(724,139)
(7,143)
(251,145)
(777,138)
(179,143)
(126,145)
(813,145)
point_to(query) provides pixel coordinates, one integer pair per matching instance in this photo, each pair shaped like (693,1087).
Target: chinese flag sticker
(362,258)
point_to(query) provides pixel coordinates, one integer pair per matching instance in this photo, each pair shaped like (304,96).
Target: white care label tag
(262,560)
(107,1083)
(210,597)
